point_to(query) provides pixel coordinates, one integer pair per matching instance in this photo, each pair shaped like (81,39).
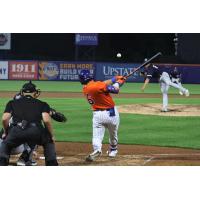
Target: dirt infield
(155,109)
(73,154)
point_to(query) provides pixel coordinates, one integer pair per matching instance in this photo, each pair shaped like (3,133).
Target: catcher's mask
(85,76)
(30,88)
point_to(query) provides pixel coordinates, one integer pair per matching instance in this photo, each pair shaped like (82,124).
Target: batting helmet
(85,76)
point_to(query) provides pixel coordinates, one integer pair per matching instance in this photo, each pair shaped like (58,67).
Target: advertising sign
(23,70)
(5,41)
(70,70)
(86,39)
(3,69)
(106,71)
(49,70)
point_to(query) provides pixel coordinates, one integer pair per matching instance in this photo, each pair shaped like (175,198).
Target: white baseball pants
(101,121)
(165,83)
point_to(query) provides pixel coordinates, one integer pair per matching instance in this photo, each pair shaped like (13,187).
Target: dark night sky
(60,46)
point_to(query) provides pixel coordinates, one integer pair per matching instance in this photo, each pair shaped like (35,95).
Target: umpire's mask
(30,88)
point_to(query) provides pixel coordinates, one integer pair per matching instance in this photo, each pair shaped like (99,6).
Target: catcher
(26,150)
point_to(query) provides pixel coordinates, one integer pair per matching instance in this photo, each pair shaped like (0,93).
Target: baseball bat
(143,64)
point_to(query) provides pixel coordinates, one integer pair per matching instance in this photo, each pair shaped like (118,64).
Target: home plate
(58,157)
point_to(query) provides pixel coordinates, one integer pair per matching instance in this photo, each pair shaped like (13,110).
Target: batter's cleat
(112,153)
(187,94)
(91,157)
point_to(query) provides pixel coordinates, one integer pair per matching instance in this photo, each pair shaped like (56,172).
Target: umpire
(28,114)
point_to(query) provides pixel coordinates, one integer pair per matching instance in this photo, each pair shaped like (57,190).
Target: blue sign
(105,71)
(86,39)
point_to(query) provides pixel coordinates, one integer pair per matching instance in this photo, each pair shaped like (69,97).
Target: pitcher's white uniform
(165,82)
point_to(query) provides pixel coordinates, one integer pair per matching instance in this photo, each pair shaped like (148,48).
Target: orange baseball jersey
(97,95)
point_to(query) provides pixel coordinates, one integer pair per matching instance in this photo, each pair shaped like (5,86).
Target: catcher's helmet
(85,76)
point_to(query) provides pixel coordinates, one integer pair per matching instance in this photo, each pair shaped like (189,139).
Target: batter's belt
(111,111)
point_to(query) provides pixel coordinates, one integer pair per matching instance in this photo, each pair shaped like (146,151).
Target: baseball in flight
(119,55)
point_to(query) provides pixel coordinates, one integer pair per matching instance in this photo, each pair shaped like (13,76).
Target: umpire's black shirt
(27,108)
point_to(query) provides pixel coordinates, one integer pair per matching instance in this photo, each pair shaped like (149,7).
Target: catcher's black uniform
(27,128)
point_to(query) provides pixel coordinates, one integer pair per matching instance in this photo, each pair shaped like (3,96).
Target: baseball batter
(105,114)
(152,71)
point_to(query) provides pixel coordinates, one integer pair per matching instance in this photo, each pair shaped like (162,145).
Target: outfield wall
(68,71)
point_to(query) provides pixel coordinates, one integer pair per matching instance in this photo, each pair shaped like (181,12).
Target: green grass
(134,129)
(62,86)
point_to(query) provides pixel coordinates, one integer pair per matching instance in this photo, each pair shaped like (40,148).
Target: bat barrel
(143,64)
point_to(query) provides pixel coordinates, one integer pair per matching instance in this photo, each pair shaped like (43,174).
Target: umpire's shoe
(91,157)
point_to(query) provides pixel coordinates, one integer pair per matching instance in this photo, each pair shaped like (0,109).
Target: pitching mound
(155,109)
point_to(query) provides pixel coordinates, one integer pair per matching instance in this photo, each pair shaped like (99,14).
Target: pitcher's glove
(57,116)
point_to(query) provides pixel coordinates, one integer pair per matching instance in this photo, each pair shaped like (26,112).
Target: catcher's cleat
(112,153)
(21,162)
(31,163)
(91,157)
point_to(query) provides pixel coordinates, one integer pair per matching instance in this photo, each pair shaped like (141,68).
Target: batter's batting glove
(121,81)
(119,77)
(116,78)
(57,116)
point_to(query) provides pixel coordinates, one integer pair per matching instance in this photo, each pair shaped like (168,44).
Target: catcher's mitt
(57,116)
